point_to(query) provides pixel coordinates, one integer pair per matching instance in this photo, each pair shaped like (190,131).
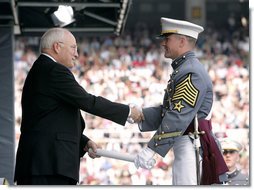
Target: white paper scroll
(115,155)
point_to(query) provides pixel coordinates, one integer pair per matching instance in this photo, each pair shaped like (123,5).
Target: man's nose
(76,54)
(163,43)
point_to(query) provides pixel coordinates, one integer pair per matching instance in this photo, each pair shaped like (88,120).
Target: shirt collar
(49,56)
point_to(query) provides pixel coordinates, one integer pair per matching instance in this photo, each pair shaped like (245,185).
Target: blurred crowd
(131,68)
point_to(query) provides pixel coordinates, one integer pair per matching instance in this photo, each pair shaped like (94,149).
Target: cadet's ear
(183,41)
(238,157)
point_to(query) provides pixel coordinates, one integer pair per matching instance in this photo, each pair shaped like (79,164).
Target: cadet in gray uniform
(188,93)
(231,150)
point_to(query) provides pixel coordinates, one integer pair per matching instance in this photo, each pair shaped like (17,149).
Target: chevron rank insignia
(187,92)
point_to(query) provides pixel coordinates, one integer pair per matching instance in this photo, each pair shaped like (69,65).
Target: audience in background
(131,68)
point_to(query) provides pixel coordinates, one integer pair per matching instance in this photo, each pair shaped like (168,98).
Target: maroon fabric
(213,164)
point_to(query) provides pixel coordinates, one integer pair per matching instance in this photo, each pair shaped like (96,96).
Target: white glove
(144,159)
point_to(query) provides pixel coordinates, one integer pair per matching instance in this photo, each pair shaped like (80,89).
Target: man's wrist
(129,119)
(130,106)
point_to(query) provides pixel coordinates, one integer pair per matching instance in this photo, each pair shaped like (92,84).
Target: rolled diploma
(115,155)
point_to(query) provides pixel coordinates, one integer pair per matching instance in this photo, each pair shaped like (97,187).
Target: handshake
(143,159)
(135,115)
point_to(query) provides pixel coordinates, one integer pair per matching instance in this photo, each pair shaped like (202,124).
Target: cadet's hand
(144,159)
(136,114)
(93,146)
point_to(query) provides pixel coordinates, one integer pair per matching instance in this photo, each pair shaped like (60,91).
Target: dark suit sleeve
(65,88)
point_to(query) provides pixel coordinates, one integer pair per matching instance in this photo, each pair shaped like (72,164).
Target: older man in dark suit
(52,140)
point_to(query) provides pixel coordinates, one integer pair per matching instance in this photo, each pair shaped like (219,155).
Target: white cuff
(129,119)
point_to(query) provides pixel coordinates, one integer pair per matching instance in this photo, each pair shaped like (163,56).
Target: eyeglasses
(74,47)
(225,152)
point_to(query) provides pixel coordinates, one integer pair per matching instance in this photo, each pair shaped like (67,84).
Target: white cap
(230,144)
(180,27)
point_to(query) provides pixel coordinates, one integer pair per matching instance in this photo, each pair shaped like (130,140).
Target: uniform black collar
(233,174)
(180,60)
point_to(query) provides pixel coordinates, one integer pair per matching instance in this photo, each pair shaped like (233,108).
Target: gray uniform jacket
(238,178)
(189,92)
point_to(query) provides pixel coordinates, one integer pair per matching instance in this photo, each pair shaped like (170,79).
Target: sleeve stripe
(186,91)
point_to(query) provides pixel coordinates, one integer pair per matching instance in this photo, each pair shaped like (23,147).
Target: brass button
(162,132)
(170,90)
(162,114)
(159,138)
(156,144)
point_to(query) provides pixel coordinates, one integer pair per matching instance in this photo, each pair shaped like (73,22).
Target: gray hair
(51,36)
(191,40)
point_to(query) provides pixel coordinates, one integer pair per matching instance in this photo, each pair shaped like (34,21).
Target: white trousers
(184,166)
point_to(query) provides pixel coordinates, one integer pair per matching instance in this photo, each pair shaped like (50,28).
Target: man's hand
(136,115)
(144,159)
(93,146)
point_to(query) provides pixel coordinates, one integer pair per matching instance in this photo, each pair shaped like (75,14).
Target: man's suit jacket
(52,139)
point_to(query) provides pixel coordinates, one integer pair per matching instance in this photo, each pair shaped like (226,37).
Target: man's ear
(183,41)
(56,47)
(238,157)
